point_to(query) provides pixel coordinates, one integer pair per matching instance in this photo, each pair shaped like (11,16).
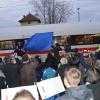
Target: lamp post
(78,12)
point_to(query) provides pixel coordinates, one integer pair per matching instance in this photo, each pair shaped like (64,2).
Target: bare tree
(52,11)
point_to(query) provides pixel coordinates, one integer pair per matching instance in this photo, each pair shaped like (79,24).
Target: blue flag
(39,42)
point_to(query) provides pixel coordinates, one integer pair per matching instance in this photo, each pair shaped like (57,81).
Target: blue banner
(39,42)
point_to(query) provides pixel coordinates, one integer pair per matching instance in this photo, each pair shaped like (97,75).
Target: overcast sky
(13,10)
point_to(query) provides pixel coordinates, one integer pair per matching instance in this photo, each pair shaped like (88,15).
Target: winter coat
(83,62)
(28,75)
(77,93)
(96,90)
(2,80)
(51,61)
(98,64)
(92,75)
(12,73)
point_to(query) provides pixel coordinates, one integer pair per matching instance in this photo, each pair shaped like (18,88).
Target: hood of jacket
(80,92)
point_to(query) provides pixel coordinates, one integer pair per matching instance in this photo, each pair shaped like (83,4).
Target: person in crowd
(97,53)
(81,60)
(83,64)
(74,91)
(61,53)
(48,73)
(97,64)
(51,60)
(56,50)
(95,89)
(92,75)
(63,61)
(39,68)
(93,78)
(19,51)
(62,66)
(2,77)
(67,47)
(28,75)
(74,59)
(11,70)
(23,95)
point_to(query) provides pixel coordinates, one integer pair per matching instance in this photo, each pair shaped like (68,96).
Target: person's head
(72,77)
(7,59)
(0,60)
(38,58)
(23,95)
(62,53)
(63,60)
(76,50)
(57,44)
(25,58)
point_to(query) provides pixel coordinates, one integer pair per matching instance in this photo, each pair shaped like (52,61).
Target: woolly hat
(25,57)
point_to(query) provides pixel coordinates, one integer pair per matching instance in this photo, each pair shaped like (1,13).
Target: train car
(84,36)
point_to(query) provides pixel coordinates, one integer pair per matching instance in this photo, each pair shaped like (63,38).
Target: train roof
(57,29)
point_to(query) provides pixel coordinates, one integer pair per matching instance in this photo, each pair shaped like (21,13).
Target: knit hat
(25,57)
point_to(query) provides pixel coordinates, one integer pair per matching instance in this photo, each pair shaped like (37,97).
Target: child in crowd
(23,95)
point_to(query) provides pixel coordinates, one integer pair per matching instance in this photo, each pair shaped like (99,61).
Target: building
(29,20)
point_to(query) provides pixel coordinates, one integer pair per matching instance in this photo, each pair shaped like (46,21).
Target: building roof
(29,18)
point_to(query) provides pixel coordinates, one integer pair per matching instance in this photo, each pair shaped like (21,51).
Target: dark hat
(25,57)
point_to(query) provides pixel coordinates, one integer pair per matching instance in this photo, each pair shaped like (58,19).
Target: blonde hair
(23,93)
(72,76)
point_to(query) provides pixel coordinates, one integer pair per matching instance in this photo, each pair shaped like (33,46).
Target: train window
(7,45)
(76,39)
(81,39)
(57,39)
(96,39)
(62,39)
(88,39)
(20,42)
(11,44)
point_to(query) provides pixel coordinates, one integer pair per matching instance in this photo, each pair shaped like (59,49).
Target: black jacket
(12,73)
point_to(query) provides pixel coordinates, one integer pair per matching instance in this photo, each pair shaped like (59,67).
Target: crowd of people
(79,74)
